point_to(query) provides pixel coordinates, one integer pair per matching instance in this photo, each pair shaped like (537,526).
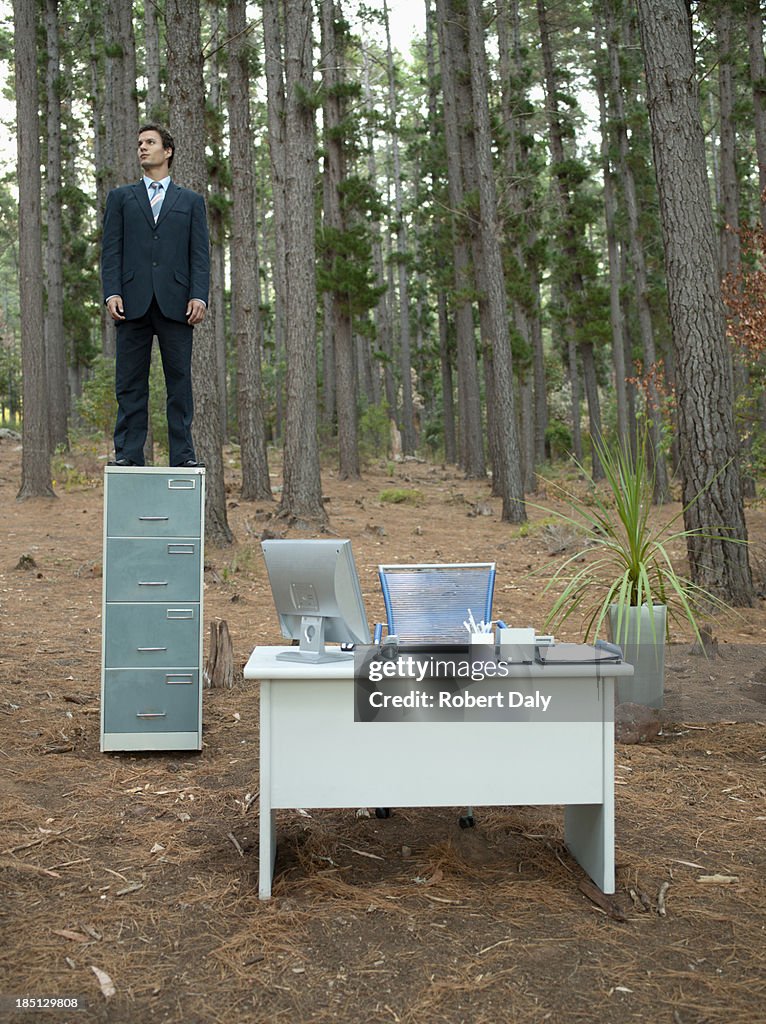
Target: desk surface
(263,665)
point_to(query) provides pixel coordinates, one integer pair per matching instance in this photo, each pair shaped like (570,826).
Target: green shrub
(401,496)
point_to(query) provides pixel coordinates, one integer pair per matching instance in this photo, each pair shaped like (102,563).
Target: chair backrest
(430,603)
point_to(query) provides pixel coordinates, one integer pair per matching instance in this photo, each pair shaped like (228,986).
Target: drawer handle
(180,613)
(148,583)
(179,680)
(151,714)
(182,484)
(153,519)
(181,549)
(144,650)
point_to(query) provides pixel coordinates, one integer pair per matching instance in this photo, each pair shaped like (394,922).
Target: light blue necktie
(156,200)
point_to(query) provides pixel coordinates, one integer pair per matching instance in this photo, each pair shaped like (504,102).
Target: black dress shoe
(190,464)
(122,462)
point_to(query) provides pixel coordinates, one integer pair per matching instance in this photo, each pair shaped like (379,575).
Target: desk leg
(267,833)
(589,828)
(589,835)
(267,851)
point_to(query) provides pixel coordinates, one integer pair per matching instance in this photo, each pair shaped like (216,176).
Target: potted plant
(622,577)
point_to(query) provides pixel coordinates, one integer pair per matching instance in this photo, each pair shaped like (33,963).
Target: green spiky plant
(628,563)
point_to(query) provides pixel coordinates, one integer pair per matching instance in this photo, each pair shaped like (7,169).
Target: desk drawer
(153,504)
(152,569)
(152,635)
(148,700)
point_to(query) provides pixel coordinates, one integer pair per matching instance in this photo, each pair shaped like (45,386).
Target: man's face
(152,155)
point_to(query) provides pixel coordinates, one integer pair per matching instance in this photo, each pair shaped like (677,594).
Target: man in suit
(155,270)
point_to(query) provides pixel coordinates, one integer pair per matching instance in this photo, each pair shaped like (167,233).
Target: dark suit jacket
(169,260)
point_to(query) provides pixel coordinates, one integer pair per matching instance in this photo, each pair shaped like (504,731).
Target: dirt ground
(145,867)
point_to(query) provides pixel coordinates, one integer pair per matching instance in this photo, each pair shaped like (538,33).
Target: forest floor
(145,867)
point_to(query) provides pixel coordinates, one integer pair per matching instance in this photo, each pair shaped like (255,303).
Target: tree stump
(709,645)
(219,667)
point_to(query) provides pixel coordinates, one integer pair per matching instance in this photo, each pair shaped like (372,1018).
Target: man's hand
(115,307)
(195,312)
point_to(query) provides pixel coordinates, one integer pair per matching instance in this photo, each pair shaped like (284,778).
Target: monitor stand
(312,648)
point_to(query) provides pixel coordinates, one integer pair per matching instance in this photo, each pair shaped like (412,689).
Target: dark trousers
(134,353)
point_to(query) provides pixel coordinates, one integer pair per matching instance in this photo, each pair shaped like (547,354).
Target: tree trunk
(55,340)
(569,234)
(712,492)
(334,110)
(35,458)
(471,440)
(121,101)
(216,205)
(407,424)
(613,251)
(98,118)
(729,235)
(187,107)
(155,105)
(445,353)
(302,488)
(273,59)
(520,182)
(383,327)
(758,80)
(244,261)
(509,455)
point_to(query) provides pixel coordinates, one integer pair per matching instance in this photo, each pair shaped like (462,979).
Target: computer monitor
(317,596)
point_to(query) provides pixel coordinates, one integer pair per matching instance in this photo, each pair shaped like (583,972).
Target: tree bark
(572,287)
(509,455)
(712,493)
(155,106)
(302,487)
(729,235)
(520,182)
(407,421)
(470,434)
(273,59)
(638,262)
(335,171)
(35,458)
(187,106)
(121,124)
(217,194)
(758,79)
(55,339)
(244,260)
(445,352)
(383,326)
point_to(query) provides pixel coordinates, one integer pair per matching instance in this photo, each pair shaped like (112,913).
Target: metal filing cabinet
(151,685)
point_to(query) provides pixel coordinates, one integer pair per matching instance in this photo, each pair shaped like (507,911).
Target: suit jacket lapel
(142,197)
(171,196)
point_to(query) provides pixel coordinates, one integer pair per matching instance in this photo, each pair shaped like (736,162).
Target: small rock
(636,723)
(26,562)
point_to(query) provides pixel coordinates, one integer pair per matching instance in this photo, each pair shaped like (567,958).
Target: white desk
(313,754)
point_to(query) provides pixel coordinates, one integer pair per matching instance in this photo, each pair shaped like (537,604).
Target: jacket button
(155,263)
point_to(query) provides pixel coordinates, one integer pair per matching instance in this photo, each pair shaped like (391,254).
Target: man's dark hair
(164,134)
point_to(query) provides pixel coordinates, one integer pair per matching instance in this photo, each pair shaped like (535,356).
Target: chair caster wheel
(382,812)
(466,821)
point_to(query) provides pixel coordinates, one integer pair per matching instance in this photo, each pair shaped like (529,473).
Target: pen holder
(482,646)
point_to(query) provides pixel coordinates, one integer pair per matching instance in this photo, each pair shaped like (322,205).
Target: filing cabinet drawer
(146,504)
(152,570)
(151,701)
(152,635)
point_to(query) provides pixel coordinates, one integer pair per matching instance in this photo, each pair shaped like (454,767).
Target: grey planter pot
(643,646)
